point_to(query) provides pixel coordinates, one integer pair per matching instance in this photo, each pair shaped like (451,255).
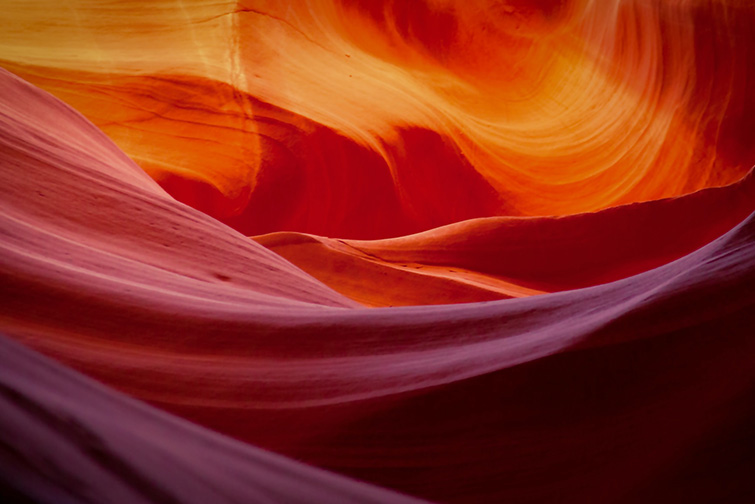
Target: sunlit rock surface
(374,119)
(303,224)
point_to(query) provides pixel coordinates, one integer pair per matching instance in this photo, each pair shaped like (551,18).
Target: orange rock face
(465,250)
(374,119)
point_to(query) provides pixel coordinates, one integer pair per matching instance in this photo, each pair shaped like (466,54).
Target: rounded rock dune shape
(481,251)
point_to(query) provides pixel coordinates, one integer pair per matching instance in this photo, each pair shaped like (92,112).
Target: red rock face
(302,225)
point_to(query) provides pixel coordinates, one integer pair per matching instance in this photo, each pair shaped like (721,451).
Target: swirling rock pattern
(479,251)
